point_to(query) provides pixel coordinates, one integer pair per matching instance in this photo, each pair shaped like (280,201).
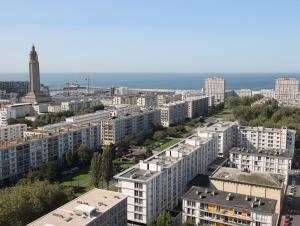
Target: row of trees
(28,201)
(165,219)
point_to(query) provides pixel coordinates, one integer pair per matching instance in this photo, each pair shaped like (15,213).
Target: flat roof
(255,178)
(281,153)
(237,201)
(94,203)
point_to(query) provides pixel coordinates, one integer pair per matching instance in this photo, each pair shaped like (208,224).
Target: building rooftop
(82,210)
(218,126)
(261,128)
(278,153)
(237,175)
(231,200)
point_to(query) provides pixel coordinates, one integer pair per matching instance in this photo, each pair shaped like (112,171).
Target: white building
(261,160)
(215,87)
(226,133)
(123,109)
(54,108)
(243,92)
(286,89)
(122,99)
(76,105)
(269,93)
(12,132)
(95,208)
(157,183)
(167,98)
(89,118)
(117,128)
(47,144)
(197,106)
(5,114)
(147,101)
(265,138)
(174,113)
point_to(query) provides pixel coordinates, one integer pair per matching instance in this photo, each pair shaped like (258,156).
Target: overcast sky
(151,35)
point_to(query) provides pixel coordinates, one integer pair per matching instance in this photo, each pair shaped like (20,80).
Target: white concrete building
(265,138)
(286,89)
(76,105)
(157,183)
(226,133)
(123,109)
(261,160)
(167,98)
(215,87)
(122,99)
(97,207)
(5,114)
(147,101)
(12,132)
(197,106)
(40,146)
(89,118)
(243,92)
(115,129)
(174,113)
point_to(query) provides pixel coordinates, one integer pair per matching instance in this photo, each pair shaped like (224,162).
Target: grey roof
(281,153)
(237,201)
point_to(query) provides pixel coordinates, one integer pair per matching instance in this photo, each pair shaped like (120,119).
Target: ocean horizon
(254,81)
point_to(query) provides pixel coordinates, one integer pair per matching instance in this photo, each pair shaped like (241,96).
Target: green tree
(84,154)
(69,158)
(148,153)
(164,219)
(107,164)
(25,202)
(95,168)
(159,135)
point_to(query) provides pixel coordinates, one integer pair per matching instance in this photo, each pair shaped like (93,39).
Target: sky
(194,36)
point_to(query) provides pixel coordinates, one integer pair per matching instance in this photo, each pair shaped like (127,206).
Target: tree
(148,153)
(84,154)
(95,169)
(69,158)
(107,164)
(27,201)
(164,219)
(159,135)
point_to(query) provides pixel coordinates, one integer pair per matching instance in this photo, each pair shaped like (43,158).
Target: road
(292,207)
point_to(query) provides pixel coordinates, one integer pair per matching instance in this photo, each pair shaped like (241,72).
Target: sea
(181,81)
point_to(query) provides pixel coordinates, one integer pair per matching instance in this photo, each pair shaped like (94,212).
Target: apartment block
(286,89)
(174,113)
(243,92)
(226,133)
(76,105)
(123,109)
(167,98)
(215,87)
(147,101)
(124,99)
(273,161)
(19,87)
(5,114)
(89,118)
(157,183)
(266,138)
(12,132)
(115,129)
(197,106)
(204,206)
(43,145)
(260,185)
(97,207)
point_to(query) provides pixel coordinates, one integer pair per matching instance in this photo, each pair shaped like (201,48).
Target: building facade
(174,113)
(286,89)
(157,183)
(197,106)
(12,132)
(97,207)
(19,87)
(215,87)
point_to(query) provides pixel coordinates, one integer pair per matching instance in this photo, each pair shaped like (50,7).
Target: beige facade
(174,113)
(215,87)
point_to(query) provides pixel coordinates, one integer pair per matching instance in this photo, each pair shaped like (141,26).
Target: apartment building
(157,183)
(123,109)
(261,185)
(43,145)
(226,132)
(115,129)
(21,109)
(266,138)
(19,87)
(286,89)
(204,206)
(123,99)
(97,207)
(197,106)
(273,161)
(5,114)
(174,113)
(76,105)
(54,108)
(12,132)
(147,101)
(167,98)
(215,87)
(243,92)
(95,117)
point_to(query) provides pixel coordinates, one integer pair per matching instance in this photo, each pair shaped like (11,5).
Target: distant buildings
(12,132)
(287,91)
(122,99)
(147,101)
(76,105)
(94,208)
(21,88)
(243,92)
(117,128)
(197,106)
(215,87)
(173,113)
(157,183)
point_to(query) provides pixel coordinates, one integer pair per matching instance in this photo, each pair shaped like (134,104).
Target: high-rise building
(173,113)
(19,87)
(215,87)
(286,89)
(35,94)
